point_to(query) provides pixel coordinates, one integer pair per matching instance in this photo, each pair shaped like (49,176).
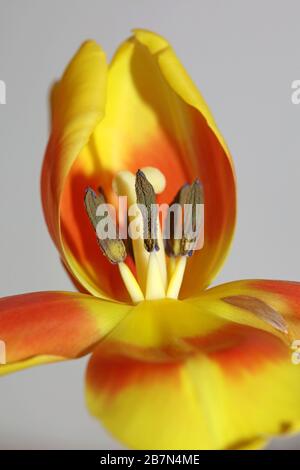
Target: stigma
(160,260)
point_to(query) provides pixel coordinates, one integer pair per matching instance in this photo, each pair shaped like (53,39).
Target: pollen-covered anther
(146,200)
(156,270)
(184,230)
(173,241)
(193,199)
(98,211)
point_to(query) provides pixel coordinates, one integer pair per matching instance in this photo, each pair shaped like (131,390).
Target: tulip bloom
(174,365)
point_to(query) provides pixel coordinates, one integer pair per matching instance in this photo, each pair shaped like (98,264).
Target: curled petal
(78,103)
(50,326)
(154,116)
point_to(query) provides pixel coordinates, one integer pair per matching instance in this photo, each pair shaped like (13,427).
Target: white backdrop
(244,57)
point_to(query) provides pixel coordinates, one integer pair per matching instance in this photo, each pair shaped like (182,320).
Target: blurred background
(244,57)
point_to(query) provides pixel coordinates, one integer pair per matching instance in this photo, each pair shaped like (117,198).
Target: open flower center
(160,250)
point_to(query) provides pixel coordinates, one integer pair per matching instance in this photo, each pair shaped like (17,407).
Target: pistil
(124,184)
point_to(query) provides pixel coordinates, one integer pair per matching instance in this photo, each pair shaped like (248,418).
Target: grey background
(243,56)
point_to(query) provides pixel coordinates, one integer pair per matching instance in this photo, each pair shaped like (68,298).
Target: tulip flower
(174,364)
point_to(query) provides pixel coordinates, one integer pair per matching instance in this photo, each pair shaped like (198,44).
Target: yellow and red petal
(49,326)
(270,305)
(235,389)
(160,330)
(154,116)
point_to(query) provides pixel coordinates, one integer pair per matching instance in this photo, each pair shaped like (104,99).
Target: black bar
(134,459)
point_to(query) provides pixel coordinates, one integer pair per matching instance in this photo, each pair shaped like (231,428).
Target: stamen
(92,201)
(187,198)
(124,185)
(172,261)
(131,283)
(173,243)
(158,181)
(145,197)
(154,287)
(193,198)
(113,248)
(148,250)
(177,278)
(146,200)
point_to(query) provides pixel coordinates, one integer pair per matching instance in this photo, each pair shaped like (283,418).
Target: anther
(193,198)
(183,226)
(173,241)
(146,200)
(112,247)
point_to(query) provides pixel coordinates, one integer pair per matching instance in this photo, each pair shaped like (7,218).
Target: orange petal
(49,326)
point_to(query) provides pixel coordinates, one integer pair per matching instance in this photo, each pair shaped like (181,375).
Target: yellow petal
(161,329)
(78,104)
